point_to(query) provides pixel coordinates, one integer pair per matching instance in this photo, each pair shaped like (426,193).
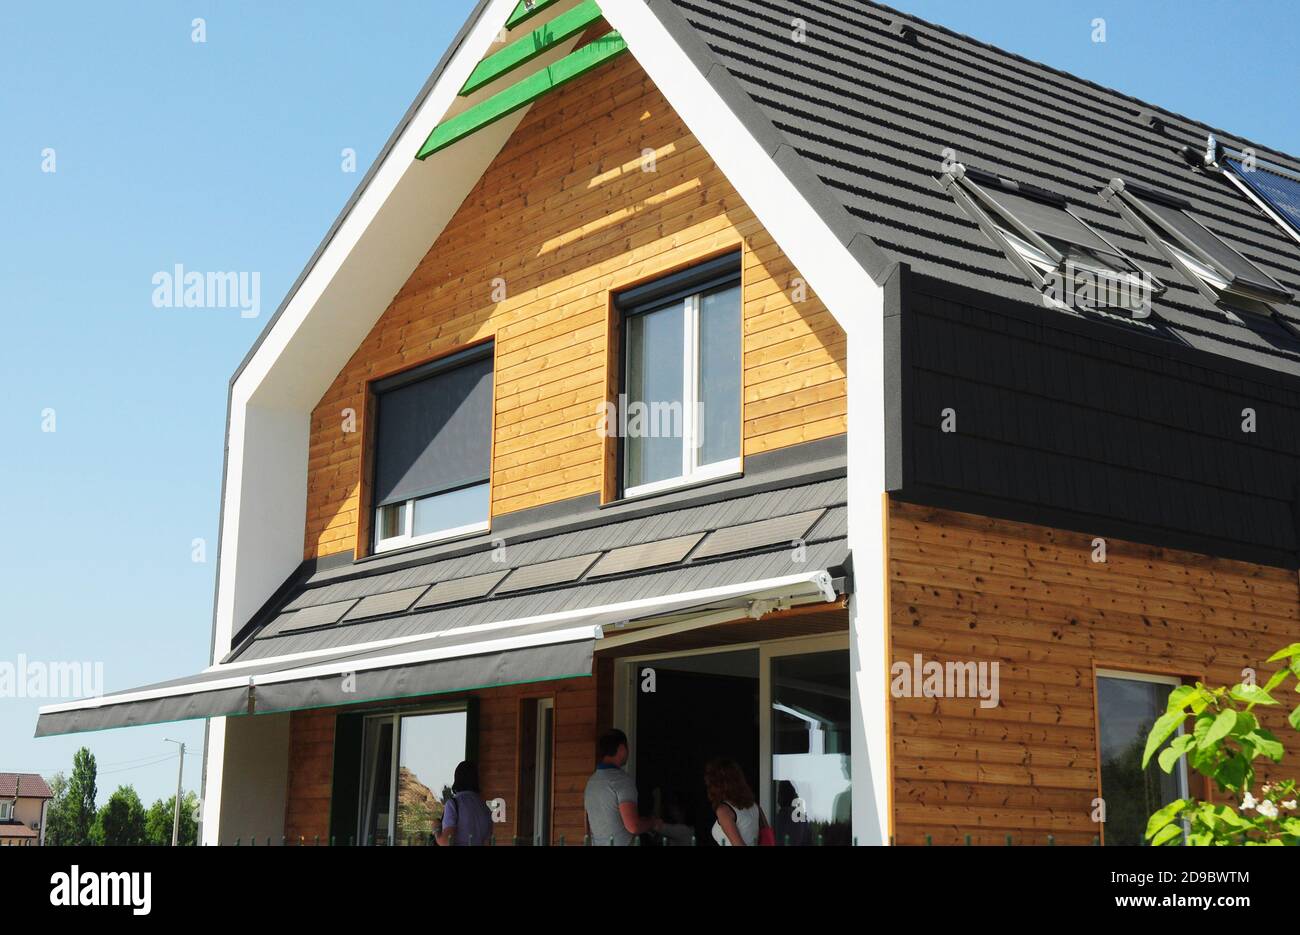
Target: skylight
(1217,271)
(1054,248)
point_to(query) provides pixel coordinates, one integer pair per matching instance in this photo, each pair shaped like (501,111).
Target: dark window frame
(376,389)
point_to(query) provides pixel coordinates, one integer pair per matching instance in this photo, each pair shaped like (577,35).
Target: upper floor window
(1046,240)
(433,447)
(6,811)
(681,397)
(1216,270)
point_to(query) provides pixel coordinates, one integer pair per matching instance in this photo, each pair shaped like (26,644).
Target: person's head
(611,747)
(466,779)
(725,782)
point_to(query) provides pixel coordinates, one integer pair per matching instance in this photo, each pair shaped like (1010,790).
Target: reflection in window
(811,775)
(1127,707)
(403,788)
(682,378)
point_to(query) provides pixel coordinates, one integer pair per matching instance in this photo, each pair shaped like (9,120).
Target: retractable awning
(534,649)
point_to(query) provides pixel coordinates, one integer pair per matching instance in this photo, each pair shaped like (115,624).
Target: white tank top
(746,824)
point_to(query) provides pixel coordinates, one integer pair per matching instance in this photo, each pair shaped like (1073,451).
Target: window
(536,769)
(1127,706)
(1217,271)
(680,407)
(811,767)
(1045,240)
(6,811)
(433,451)
(408,762)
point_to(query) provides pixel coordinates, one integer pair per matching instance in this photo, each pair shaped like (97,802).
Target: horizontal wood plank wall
(564,214)
(970,588)
(311,758)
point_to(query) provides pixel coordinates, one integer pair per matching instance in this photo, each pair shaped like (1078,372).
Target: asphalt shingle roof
(872,111)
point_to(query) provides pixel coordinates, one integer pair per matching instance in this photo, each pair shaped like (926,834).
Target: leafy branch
(1224,742)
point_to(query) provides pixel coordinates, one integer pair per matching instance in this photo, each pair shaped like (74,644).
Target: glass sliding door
(409,761)
(810,738)
(376,782)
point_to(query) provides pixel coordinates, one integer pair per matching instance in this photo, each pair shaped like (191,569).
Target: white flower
(1248,802)
(1267,809)
(1266,789)
(1289,804)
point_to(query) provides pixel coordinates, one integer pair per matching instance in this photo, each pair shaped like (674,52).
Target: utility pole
(180,773)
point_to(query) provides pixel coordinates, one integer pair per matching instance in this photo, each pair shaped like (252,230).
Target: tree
(158,822)
(121,821)
(1225,741)
(58,826)
(80,814)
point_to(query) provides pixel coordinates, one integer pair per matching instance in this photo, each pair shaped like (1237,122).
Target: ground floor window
(408,761)
(1127,706)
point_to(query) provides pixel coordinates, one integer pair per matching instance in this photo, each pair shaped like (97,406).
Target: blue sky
(226,155)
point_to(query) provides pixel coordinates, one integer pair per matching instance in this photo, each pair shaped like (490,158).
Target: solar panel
(319,616)
(392,602)
(1279,192)
(460,589)
(645,555)
(560,571)
(766,532)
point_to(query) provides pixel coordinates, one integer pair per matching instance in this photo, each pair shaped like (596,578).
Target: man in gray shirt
(610,798)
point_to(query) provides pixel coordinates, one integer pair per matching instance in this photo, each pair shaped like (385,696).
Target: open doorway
(688,710)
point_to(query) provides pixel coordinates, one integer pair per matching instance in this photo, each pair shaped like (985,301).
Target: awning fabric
(450,663)
(552,646)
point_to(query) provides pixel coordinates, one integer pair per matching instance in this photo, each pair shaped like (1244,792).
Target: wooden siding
(970,588)
(311,757)
(564,215)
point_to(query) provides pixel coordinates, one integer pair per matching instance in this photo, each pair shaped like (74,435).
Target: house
(23,800)
(799,382)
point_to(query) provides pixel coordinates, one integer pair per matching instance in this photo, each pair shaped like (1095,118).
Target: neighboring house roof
(746,537)
(24,785)
(17,831)
(872,97)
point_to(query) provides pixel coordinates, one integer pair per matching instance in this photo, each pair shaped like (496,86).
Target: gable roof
(25,785)
(871,110)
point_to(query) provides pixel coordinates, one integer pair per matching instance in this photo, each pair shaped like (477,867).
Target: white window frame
(406,538)
(395,718)
(6,811)
(692,471)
